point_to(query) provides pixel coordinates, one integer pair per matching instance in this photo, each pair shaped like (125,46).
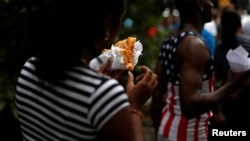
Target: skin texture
(128,127)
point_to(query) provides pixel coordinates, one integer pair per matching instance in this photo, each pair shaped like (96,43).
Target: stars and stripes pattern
(174,125)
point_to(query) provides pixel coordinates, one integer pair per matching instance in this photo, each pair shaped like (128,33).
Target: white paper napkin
(238,59)
(115,54)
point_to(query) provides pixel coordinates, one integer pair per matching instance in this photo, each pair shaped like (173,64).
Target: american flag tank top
(174,126)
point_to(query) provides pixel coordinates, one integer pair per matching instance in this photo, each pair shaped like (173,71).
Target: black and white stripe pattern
(73,109)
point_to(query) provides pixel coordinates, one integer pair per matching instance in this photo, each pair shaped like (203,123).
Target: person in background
(246,27)
(246,22)
(183,101)
(209,39)
(58,97)
(234,107)
(212,25)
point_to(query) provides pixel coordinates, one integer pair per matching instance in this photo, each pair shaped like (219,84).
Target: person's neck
(87,55)
(89,52)
(193,27)
(193,24)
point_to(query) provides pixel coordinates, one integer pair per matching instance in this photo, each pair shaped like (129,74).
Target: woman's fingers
(104,67)
(149,77)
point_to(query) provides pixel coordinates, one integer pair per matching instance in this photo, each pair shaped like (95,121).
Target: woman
(58,97)
(234,107)
(184,101)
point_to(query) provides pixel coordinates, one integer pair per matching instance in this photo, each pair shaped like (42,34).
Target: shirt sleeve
(106,101)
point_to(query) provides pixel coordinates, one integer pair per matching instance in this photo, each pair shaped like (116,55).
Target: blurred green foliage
(146,15)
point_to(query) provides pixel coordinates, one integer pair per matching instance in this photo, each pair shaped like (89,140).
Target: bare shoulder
(193,47)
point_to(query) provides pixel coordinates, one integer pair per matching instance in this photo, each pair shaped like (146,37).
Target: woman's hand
(115,74)
(140,92)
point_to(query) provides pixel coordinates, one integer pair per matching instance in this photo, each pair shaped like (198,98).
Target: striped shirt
(75,108)
(174,126)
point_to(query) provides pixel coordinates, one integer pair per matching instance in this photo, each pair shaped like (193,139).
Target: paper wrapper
(116,55)
(238,59)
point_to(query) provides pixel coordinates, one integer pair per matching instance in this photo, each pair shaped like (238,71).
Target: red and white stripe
(174,126)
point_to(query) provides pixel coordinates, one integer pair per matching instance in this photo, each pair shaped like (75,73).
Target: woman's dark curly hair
(61,27)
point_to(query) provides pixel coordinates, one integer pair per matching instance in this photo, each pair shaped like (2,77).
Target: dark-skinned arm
(193,56)
(126,125)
